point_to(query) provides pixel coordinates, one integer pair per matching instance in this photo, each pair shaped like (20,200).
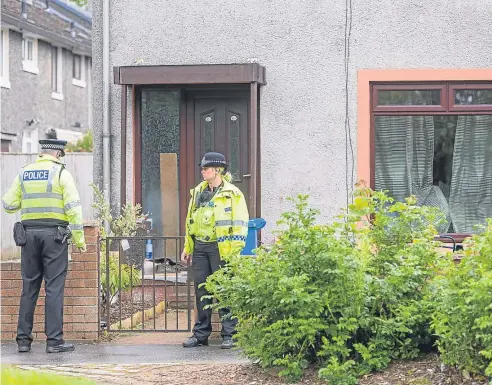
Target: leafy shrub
(348,297)
(463,297)
(121,277)
(12,376)
(125,224)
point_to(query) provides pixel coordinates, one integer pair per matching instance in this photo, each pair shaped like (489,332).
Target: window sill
(79,83)
(57,96)
(458,237)
(4,83)
(30,66)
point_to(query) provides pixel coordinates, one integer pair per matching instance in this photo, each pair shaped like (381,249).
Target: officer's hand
(185,257)
(236,251)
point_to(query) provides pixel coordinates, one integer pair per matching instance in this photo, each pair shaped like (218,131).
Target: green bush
(23,377)
(121,277)
(463,316)
(125,224)
(348,297)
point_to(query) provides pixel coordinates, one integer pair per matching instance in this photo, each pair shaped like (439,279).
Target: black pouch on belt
(19,234)
(60,234)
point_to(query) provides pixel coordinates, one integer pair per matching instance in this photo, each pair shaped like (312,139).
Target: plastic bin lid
(257,223)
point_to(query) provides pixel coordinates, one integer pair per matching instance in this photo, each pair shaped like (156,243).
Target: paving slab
(122,354)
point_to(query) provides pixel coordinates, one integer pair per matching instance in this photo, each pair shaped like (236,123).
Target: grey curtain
(470,196)
(404,162)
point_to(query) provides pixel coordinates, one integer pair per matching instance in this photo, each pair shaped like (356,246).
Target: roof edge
(49,36)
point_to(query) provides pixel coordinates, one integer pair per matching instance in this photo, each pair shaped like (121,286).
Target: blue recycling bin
(254,225)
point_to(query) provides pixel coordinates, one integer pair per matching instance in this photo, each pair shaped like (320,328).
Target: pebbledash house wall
(81,316)
(302,45)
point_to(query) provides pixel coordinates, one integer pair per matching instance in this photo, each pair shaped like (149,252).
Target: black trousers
(206,260)
(42,257)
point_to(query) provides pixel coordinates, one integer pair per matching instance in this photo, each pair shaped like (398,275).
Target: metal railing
(149,268)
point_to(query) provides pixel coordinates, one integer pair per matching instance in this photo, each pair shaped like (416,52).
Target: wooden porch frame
(190,74)
(181,77)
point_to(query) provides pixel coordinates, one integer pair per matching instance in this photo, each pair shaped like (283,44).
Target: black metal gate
(144,286)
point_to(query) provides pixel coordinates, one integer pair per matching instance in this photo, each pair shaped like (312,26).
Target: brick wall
(216,324)
(81,319)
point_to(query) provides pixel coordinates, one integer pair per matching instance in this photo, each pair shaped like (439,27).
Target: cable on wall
(349,149)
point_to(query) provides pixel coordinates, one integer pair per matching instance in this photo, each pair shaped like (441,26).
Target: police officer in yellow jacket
(46,194)
(216,226)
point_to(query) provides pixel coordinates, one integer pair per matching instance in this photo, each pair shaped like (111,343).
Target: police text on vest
(36,175)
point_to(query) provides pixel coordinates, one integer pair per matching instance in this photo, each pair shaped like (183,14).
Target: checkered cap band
(51,146)
(213,162)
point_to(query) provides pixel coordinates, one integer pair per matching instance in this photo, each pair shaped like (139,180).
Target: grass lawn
(11,376)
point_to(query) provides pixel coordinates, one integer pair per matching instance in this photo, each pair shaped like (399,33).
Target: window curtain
(470,197)
(404,162)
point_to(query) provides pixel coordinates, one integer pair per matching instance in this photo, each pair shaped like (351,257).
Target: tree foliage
(80,3)
(83,144)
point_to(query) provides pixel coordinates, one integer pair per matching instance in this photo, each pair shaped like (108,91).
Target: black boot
(65,347)
(23,348)
(227,343)
(193,342)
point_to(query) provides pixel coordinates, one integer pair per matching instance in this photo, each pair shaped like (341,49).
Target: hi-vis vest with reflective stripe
(43,191)
(231,219)
(203,223)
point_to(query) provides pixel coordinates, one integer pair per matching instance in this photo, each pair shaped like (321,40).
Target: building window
(56,73)
(7,139)
(28,51)
(88,73)
(30,141)
(54,69)
(78,71)
(30,55)
(4,59)
(5,145)
(434,141)
(77,64)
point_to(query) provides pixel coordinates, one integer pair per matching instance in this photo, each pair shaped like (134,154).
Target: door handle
(247,176)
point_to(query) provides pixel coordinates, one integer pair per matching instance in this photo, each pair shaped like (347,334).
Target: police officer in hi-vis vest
(216,226)
(51,213)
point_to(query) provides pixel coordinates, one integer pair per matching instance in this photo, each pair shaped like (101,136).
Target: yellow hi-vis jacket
(43,191)
(231,219)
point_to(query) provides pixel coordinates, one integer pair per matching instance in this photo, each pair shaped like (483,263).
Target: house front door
(220,124)
(174,129)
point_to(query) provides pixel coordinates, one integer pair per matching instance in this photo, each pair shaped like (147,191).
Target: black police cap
(53,144)
(213,159)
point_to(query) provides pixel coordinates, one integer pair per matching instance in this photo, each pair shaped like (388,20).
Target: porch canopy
(190,74)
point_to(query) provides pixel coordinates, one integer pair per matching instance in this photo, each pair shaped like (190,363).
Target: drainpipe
(106,107)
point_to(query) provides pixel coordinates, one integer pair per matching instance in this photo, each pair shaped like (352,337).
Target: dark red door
(220,124)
